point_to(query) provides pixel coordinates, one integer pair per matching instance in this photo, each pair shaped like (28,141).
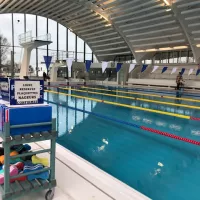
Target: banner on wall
(174,70)
(182,71)
(88,65)
(69,65)
(119,66)
(164,69)
(154,69)
(131,68)
(144,67)
(104,65)
(190,72)
(47,60)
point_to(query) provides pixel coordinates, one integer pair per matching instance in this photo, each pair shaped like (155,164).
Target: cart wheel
(49,195)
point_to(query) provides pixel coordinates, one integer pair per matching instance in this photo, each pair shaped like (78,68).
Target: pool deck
(78,179)
(83,181)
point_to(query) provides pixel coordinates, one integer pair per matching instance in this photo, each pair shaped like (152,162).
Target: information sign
(24,92)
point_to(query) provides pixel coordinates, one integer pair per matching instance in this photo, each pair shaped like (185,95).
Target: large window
(62,44)
(71,41)
(80,57)
(80,50)
(80,45)
(18,21)
(88,53)
(33,59)
(6,26)
(53,32)
(63,39)
(41,26)
(18,53)
(31,24)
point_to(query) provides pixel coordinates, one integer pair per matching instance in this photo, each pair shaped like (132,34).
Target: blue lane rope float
(132,125)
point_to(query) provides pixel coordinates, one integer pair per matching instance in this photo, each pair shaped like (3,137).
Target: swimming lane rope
(133,98)
(143,94)
(133,125)
(128,106)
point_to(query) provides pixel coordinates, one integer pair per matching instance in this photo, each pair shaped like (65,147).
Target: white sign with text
(27,92)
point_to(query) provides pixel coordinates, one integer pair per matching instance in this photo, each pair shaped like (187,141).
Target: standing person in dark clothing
(179,80)
(44,76)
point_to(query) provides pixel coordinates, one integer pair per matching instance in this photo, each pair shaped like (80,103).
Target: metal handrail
(27,37)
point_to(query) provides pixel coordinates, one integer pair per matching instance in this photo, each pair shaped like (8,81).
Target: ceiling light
(151,50)
(165,49)
(166,2)
(180,47)
(169,9)
(198,45)
(139,51)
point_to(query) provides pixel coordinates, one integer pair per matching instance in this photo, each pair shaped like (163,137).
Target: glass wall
(88,55)
(71,41)
(64,42)
(80,50)
(182,56)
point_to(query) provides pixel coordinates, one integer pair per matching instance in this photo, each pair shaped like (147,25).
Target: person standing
(44,76)
(179,80)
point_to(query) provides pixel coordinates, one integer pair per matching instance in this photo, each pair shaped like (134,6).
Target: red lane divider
(170,135)
(195,118)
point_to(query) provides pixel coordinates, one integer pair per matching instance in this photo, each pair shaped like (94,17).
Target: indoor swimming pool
(106,128)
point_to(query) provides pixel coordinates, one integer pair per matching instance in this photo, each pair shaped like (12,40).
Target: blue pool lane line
(131,124)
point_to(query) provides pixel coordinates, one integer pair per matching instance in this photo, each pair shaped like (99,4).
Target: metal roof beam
(157,37)
(146,21)
(111,49)
(155,31)
(108,44)
(118,53)
(180,18)
(104,40)
(9,5)
(151,26)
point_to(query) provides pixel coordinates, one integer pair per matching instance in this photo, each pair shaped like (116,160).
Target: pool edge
(92,175)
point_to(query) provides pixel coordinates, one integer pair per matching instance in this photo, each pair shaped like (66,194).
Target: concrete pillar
(53,74)
(25,62)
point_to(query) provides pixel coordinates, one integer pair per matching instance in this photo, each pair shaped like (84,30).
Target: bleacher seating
(163,83)
(167,79)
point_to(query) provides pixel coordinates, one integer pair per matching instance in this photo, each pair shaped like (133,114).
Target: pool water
(159,167)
